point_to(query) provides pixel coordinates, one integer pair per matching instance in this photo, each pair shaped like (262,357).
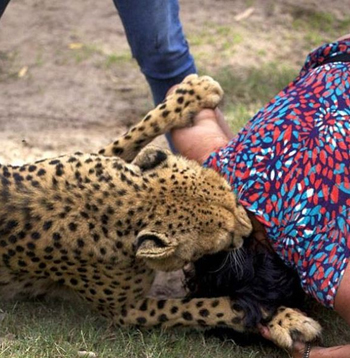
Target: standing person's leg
(157,42)
(3,5)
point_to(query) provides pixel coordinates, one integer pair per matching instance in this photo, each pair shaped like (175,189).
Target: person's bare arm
(315,352)
(320,352)
(344,37)
(208,133)
(342,298)
(332,352)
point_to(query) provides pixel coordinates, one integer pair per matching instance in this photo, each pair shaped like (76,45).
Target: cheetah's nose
(236,242)
(232,237)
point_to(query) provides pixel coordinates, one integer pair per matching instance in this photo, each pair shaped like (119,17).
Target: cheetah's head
(195,212)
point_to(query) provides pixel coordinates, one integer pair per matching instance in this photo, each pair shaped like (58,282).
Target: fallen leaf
(87,354)
(23,71)
(245,14)
(75,45)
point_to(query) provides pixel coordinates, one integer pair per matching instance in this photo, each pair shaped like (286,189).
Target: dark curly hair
(254,277)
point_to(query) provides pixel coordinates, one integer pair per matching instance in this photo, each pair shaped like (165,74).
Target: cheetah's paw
(289,325)
(192,95)
(206,91)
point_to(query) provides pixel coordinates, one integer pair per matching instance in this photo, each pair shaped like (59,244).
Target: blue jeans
(157,42)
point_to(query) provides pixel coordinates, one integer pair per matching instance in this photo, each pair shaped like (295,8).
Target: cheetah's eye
(149,240)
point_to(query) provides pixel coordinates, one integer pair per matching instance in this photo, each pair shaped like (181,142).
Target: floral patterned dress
(290,167)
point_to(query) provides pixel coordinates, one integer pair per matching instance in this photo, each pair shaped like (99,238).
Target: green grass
(56,329)
(8,65)
(248,89)
(86,52)
(222,39)
(256,84)
(313,21)
(116,59)
(212,34)
(100,57)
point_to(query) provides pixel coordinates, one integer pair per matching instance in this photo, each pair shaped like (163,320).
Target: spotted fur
(101,224)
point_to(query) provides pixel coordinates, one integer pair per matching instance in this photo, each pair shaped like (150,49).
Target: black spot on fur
(165,114)
(174,310)
(144,305)
(35,235)
(204,312)
(32,168)
(141,320)
(54,162)
(47,225)
(163,318)
(161,304)
(118,151)
(187,316)
(72,226)
(41,172)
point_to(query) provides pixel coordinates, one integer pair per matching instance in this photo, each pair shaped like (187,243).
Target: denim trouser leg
(157,42)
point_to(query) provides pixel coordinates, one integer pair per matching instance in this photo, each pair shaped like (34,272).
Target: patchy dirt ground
(67,80)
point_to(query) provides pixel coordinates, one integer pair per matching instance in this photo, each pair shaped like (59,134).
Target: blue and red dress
(290,166)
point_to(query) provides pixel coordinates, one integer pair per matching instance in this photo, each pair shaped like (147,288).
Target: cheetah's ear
(150,158)
(154,245)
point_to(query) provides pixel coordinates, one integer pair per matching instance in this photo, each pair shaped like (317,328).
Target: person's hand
(208,133)
(298,347)
(298,350)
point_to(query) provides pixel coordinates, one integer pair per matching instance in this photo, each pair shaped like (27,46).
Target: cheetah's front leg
(206,312)
(177,111)
(289,325)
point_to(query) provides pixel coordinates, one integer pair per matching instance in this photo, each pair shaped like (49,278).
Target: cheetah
(102,224)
